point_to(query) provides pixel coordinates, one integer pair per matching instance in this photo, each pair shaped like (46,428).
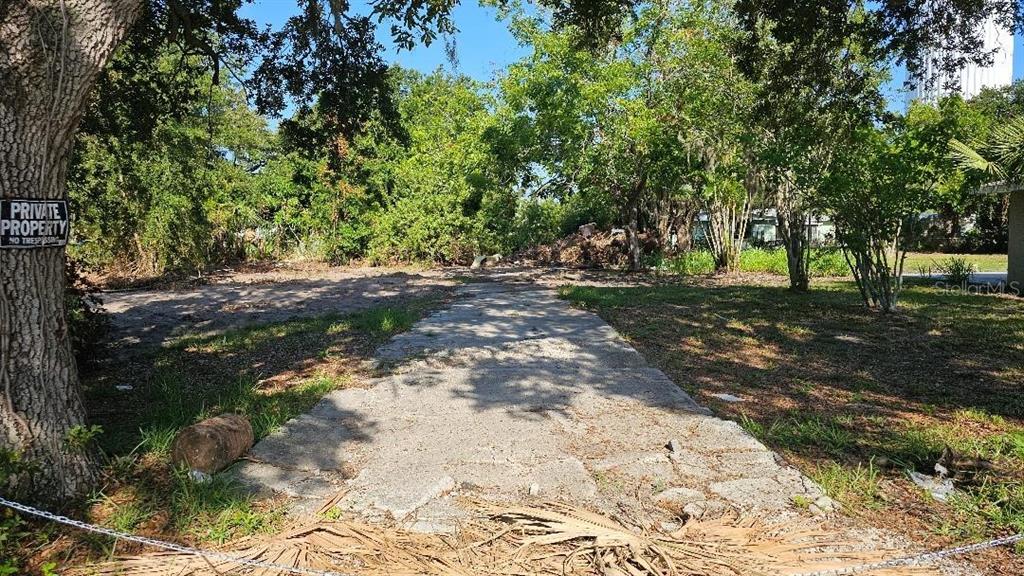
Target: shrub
(828,262)
(957,270)
(592,205)
(423,228)
(537,222)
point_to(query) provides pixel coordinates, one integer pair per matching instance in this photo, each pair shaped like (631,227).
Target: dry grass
(549,538)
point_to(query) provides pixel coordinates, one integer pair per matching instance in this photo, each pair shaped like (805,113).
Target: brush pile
(585,250)
(552,538)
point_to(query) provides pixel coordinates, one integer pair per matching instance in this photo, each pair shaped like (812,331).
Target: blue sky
(483,43)
(485,46)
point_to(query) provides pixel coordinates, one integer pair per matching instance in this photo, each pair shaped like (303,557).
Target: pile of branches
(596,250)
(550,538)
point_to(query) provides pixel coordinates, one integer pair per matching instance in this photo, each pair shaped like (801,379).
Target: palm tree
(1001,156)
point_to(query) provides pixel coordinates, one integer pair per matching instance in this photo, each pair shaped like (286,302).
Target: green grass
(824,262)
(851,396)
(855,487)
(818,433)
(918,262)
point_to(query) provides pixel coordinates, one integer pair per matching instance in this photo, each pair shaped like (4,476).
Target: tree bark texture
(794,229)
(51,53)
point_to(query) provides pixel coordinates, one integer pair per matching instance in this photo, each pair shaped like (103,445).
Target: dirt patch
(155,316)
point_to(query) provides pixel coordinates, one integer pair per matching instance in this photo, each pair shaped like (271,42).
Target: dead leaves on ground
(550,538)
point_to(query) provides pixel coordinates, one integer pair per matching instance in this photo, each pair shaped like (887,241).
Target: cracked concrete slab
(511,388)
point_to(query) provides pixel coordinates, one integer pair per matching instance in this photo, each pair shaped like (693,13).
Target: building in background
(934,83)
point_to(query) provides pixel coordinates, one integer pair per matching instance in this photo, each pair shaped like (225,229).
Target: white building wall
(970,79)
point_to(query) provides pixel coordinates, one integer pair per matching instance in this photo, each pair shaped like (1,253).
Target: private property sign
(33,223)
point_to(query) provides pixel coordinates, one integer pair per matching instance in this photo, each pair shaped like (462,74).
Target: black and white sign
(33,223)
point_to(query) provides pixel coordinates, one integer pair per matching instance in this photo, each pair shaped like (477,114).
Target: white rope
(246,562)
(894,563)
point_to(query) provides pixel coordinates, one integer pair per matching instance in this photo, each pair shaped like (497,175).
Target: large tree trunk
(51,53)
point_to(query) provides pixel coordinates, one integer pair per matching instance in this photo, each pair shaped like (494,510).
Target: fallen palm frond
(728,546)
(552,538)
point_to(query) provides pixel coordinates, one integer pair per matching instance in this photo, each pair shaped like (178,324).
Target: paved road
(510,393)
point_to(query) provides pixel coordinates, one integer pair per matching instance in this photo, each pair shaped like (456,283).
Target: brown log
(212,444)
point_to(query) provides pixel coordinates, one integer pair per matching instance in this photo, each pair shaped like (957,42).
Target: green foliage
(685,107)
(423,228)
(884,180)
(167,201)
(80,437)
(13,530)
(637,131)
(825,262)
(690,263)
(218,510)
(441,201)
(957,270)
(87,322)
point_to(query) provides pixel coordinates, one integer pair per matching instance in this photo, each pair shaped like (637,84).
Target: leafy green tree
(880,185)
(814,90)
(709,110)
(997,157)
(1000,156)
(439,197)
(158,192)
(955,197)
(818,70)
(651,122)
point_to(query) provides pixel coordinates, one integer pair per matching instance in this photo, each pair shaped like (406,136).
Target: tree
(817,67)
(887,31)
(879,185)
(587,118)
(51,54)
(652,122)
(955,197)
(711,115)
(437,191)
(1000,156)
(157,190)
(813,89)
